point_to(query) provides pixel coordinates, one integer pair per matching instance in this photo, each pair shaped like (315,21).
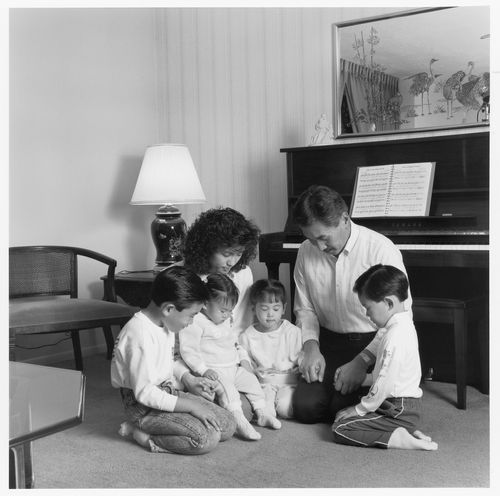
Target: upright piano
(447,252)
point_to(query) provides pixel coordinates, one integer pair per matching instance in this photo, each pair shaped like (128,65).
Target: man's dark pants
(319,401)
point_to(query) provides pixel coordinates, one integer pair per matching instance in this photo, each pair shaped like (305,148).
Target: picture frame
(413,70)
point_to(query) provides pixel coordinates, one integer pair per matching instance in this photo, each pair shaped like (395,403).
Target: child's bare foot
(267,420)
(129,430)
(402,439)
(126,429)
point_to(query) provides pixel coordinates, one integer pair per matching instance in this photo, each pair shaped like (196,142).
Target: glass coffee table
(42,400)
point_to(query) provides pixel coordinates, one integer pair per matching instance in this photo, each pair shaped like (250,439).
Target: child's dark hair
(265,290)
(222,289)
(216,230)
(180,286)
(380,281)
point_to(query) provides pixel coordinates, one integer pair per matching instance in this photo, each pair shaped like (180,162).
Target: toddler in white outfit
(274,346)
(210,348)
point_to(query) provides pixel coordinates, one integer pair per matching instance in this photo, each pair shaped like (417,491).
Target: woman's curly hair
(216,230)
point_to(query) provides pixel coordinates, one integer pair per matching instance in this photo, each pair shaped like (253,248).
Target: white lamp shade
(167,175)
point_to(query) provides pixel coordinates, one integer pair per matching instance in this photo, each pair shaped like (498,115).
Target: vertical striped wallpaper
(238,84)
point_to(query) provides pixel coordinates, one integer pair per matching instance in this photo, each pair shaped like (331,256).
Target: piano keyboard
(445,247)
(449,247)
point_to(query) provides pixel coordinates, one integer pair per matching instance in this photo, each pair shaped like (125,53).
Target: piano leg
(273,270)
(460,331)
(484,359)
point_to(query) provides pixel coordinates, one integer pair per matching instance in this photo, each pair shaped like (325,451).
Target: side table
(134,287)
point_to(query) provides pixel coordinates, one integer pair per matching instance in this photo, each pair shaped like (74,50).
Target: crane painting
(472,93)
(450,88)
(421,83)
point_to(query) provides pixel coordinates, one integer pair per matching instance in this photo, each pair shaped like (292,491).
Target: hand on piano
(313,364)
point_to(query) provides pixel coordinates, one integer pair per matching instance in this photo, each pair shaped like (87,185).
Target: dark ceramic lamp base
(168,231)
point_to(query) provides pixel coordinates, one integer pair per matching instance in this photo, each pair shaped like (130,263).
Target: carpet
(93,455)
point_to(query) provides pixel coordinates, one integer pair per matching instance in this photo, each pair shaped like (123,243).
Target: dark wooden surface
(27,317)
(461,180)
(133,287)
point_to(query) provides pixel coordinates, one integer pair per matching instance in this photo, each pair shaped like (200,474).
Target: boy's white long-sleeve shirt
(277,350)
(143,359)
(397,370)
(204,345)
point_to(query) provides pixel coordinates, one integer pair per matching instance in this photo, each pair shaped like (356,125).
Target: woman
(223,240)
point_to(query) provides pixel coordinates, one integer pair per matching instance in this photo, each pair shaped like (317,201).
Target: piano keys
(450,247)
(419,247)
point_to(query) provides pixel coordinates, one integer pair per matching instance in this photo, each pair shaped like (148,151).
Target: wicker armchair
(52,271)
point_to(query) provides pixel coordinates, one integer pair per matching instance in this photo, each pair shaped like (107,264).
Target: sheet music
(396,190)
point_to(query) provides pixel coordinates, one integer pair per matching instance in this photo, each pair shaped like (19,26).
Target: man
(336,333)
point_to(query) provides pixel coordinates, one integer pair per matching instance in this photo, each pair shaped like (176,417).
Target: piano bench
(459,312)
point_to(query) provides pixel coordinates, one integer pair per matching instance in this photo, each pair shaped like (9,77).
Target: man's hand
(200,386)
(350,376)
(312,366)
(350,411)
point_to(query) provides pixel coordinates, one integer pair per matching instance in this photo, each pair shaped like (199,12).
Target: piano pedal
(429,374)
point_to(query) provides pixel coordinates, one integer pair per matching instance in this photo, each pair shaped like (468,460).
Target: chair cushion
(65,314)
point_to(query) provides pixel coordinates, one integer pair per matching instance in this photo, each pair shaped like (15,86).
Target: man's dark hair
(180,286)
(319,204)
(381,281)
(267,290)
(215,230)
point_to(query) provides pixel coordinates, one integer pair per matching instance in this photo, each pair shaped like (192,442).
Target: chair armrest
(109,283)
(96,256)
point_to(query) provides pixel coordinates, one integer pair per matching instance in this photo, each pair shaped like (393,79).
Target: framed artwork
(412,70)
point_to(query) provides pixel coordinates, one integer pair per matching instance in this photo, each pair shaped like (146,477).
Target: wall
(91,88)
(83,105)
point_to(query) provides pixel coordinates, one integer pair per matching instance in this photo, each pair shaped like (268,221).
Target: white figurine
(324,132)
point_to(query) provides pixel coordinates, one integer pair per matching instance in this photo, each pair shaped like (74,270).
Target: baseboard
(61,356)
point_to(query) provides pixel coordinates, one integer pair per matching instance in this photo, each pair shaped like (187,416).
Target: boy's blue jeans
(178,432)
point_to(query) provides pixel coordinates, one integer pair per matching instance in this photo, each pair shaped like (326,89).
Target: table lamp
(167,177)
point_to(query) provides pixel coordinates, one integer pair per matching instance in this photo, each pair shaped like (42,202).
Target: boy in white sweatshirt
(160,415)
(388,416)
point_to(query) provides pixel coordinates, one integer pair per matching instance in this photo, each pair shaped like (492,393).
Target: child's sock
(265,420)
(243,427)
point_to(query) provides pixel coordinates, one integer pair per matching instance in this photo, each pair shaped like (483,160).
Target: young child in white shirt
(160,415)
(210,348)
(388,416)
(274,346)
